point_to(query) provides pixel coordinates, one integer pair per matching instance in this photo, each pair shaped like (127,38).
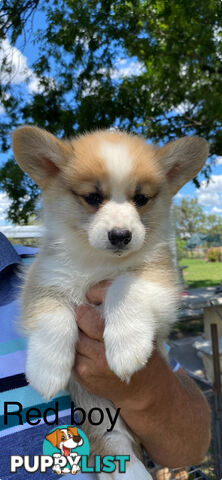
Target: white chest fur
(71,271)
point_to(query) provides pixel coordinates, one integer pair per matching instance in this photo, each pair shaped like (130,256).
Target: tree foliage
(21,189)
(14,16)
(190,218)
(147,66)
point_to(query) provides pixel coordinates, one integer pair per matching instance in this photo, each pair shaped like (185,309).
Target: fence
(26,231)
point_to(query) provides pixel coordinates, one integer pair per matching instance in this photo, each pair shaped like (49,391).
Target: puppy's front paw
(48,380)
(130,326)
(127,352)
(51,351)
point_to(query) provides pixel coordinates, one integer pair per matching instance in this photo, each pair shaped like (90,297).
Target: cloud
(90,88)
(210,195)
(208,199)
(216,210)
(14,68)
(34,85)
(4,205)
(125,67)
(2,108)
(180,195)
(219,161)
(183,107)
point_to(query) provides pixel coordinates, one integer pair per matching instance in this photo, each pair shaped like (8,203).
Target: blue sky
(22,57)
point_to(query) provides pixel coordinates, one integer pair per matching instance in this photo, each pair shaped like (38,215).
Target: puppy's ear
(182,160)
(73,431)
(39,153)
(52,437)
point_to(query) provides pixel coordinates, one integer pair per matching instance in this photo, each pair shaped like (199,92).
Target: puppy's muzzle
(119,238)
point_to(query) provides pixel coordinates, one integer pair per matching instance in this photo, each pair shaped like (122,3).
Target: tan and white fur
(77,252)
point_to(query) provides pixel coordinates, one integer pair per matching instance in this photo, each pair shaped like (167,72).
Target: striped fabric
(22,439)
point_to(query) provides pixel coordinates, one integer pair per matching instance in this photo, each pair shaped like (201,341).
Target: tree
(214,225)
(14,16)
(189,218)
(148,66)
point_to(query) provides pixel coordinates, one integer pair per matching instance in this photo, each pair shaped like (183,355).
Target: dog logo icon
(65,443)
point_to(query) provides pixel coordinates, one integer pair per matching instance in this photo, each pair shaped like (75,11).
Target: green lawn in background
(201,273)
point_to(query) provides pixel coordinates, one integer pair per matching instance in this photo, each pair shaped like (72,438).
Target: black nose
(119,238)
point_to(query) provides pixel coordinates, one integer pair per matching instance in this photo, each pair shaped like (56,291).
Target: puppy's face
(114,180)
(65,439)
(110,187)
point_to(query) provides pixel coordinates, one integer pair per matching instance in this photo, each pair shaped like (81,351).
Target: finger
(81,368)
(84,368)
(90,348)
(96,294)
(90,322)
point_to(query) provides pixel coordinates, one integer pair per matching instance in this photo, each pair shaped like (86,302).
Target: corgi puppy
(106,198)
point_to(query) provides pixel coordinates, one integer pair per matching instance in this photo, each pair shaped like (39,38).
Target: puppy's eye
(63,438)
(140,200)
(94,199)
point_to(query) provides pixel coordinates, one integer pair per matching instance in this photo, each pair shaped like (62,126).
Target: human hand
(91,369)
(165,410)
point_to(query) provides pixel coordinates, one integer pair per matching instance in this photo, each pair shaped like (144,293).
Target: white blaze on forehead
(117,159)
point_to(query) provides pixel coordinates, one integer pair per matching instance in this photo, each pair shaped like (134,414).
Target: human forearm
(171,416)
(166,410)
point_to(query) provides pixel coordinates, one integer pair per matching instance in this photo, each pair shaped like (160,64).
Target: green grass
(201,273)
